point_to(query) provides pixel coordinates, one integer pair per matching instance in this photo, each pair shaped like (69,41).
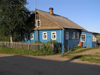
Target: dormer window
(38,23)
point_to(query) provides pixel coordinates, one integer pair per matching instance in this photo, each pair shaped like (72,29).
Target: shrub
(54,42)
(46,50)
(37,41)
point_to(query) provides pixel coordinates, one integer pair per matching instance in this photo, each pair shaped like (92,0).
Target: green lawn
(82,50)
(6,50)
(90,58)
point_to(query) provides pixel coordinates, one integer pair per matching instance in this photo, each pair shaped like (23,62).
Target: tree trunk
(11,39)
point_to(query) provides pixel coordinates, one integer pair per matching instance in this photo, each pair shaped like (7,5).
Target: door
(88,41)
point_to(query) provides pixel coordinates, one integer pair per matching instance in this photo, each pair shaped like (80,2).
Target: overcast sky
(85,13)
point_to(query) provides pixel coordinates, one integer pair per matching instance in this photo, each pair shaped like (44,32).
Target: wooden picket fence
(28,46)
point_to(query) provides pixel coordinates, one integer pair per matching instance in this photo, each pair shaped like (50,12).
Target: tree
(13,15)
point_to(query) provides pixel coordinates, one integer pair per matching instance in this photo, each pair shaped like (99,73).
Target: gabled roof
(60,21)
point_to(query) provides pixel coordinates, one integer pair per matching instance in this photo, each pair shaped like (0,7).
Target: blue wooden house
(47,25)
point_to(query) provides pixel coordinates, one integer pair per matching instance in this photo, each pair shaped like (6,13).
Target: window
(77,35)
(83,38)
(38,23)
(44,35)
(25,36)
(53,35)
(94,38)
(31,36)
(73,35)
(67,35)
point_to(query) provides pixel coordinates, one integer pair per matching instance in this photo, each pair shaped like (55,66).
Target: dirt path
(91,52)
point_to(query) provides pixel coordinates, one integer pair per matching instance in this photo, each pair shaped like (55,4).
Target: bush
(37,41)
(54,42)
(45,50)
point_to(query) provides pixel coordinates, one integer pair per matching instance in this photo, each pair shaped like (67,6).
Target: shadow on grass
(24,65)
(75,57)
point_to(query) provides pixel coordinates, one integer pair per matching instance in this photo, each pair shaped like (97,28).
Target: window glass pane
(73,35)
(44,35)
(31,36)
(67,35)
(38,23)
(25,36)
(83,38)
(53,35)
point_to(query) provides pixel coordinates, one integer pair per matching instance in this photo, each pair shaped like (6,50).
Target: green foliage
(13,15)
(16,37)
(37,41)
(85,50)
(54,42)
(4,38)
(46,50)
(75,48)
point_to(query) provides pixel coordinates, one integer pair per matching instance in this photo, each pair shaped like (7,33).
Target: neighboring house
(51,26)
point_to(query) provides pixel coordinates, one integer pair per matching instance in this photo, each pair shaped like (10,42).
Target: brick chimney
(51,11)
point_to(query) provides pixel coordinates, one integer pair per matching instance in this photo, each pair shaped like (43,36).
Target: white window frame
(55,35)
(73,35)
(81,38)
(25,36)
(67,35)
(31,34)
(94,39)
(37,23)
(43,35)
(77,35)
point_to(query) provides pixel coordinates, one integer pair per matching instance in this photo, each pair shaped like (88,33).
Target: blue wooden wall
(58,35)
(71,42)
(40,36)
(88,42)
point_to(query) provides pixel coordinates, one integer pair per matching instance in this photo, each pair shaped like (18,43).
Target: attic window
(38,23)
(53,35)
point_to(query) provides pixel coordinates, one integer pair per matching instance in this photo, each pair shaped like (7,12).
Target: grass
(6,50)
(82,50)
(75,48)
(90,58)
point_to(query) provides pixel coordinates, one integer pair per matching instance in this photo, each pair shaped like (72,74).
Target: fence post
(28,46)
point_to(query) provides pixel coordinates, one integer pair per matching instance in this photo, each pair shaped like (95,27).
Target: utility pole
(35,21)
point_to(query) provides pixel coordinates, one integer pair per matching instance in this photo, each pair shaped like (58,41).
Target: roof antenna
(35,4)
(35,9)
(35,20)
